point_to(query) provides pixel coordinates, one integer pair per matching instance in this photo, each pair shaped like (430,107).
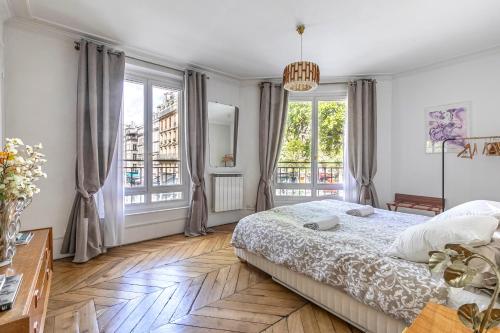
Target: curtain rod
(77,47)
(346,82)
(332,83)
(327,83)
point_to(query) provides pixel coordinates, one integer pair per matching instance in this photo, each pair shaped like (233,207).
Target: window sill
(155,209)
(294,200)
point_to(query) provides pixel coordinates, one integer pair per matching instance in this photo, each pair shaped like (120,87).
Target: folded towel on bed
(323,224)
(361,211)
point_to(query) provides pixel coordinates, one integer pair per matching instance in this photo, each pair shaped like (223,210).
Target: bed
(344,270)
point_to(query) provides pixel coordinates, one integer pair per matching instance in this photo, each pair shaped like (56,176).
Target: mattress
(335,301)
(341,304)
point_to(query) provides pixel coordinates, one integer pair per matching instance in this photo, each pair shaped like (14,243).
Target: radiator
(227,191)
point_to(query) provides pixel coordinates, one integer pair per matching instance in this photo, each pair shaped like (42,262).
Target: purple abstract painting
(444,122)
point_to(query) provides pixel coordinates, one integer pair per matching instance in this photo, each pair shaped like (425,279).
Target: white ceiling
(257,38)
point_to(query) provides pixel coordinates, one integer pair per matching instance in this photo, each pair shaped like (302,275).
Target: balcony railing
(330,172)
(165,172)
(300,173)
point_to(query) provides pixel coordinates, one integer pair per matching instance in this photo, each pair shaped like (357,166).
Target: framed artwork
(444,122)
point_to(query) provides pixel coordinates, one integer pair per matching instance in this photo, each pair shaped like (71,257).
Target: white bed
(345,270)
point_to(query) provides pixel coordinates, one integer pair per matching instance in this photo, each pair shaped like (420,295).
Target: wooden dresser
(34,261)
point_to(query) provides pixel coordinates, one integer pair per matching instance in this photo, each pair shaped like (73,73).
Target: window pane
(133,132)
(169,196)
(331,117)
(134,199)
(293,192)
(332,193)
(166,155)
(295,160)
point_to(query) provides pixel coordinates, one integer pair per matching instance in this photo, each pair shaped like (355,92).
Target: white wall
(231,92)
(4,15)
(41,73)
(475,79)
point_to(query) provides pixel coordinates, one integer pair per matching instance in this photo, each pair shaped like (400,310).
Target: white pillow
(471,208)
(414,243)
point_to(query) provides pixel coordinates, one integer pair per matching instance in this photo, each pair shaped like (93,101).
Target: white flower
(20,169)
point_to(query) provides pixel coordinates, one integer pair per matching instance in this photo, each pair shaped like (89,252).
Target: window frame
(314,185)
(149,81)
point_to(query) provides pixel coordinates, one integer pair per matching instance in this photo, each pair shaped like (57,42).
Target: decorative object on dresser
(34,262)
(24,238)
(20,168)
(454,261)
(429,204)
(9,291)
(436,318)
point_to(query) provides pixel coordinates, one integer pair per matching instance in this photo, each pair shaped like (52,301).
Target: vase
(10,224)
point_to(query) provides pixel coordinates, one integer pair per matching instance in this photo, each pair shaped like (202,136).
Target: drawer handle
(35,327)
(35,296)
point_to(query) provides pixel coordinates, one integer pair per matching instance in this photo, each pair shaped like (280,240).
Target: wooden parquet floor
(178,284)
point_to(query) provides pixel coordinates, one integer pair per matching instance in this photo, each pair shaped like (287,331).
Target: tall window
(311,160)
(153,167)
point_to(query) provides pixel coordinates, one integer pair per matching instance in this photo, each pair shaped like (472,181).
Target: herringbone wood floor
(177,284)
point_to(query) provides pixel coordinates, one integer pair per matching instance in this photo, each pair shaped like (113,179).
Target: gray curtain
(272,121)
(98,107)
(196,145)
(362,138)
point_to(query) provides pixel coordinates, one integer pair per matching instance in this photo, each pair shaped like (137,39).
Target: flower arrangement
(20,168)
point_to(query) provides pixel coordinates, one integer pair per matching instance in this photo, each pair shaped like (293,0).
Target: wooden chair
(429,204)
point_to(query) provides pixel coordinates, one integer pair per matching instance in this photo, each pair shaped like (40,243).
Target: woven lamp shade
(301,76)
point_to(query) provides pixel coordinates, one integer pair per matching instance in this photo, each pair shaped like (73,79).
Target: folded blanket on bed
(323,224)
(361,211)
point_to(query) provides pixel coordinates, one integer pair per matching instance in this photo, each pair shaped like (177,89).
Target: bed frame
(332,300)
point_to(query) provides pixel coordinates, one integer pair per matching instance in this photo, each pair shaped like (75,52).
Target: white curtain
(350,186)
(109,199)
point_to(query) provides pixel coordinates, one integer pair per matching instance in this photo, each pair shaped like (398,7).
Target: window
(311,159)
(154,173)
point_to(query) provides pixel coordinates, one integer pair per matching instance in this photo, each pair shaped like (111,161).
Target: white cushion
(415,242)
(471,208)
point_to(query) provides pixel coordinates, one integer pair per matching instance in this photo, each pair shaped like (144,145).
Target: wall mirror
(222,134)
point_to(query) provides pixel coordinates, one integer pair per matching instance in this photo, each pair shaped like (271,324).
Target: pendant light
(301,75)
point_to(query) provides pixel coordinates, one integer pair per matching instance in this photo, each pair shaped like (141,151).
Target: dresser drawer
(41,292)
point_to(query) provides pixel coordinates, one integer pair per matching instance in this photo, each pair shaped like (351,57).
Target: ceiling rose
(301,75)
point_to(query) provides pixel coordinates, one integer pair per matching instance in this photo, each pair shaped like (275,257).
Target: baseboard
(138,232)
